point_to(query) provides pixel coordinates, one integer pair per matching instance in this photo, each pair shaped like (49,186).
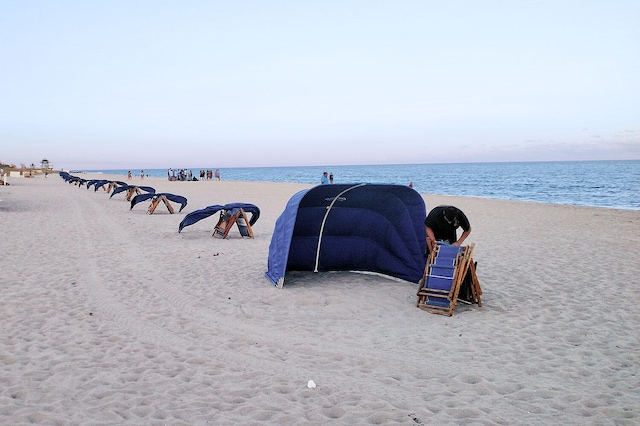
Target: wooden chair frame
(112,185)
(156,201)
(462,267)
(228,219)
(131,192)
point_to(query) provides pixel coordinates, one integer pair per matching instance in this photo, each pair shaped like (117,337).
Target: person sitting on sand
(442,224)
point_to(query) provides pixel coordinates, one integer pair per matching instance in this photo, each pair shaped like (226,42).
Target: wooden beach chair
(112,185)
(448,267)
(156,201)
(228,218)
(131,191)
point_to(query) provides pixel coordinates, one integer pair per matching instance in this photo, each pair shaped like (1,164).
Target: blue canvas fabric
(359,227)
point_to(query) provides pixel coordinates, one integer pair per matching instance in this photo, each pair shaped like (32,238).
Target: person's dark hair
(450,213)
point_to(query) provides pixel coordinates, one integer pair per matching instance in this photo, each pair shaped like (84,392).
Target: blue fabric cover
(370,227)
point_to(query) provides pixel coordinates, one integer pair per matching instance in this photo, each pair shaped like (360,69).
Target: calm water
(613,184)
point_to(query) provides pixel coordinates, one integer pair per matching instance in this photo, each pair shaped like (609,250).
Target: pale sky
(154,84)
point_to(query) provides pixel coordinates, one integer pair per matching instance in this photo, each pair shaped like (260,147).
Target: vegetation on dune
(45,166)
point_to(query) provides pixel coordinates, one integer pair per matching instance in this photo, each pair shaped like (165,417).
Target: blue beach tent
(350,227)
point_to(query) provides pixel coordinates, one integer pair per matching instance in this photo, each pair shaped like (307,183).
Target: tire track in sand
(149,309)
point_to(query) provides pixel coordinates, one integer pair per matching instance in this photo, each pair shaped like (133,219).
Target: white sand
(110,316)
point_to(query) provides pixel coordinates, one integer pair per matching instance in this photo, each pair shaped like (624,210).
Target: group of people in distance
(184,174)
(180,174)
(141,174)
(187,175)
(210,174)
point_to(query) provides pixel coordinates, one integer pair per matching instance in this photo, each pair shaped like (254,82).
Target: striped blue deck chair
(446,269)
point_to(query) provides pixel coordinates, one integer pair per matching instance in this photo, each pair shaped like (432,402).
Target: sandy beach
(110,316)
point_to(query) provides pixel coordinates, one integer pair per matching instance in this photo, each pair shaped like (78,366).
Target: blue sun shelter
(350,227)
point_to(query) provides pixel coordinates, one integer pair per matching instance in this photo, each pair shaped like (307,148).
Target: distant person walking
(141,174)
(324,180)
(217,174)
(331,177)
(129,175)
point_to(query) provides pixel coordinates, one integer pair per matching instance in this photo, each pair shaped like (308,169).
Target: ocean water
(611,184)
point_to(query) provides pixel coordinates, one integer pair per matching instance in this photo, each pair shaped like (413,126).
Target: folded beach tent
(97,183)
(131,189)
(350,227)
(230,214)
(156,198)
(229,217)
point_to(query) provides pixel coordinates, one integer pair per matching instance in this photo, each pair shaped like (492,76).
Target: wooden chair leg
(243,221)
(231,220)
(431,245)
(222,227)
(153,205)
(166,203)
(475,284)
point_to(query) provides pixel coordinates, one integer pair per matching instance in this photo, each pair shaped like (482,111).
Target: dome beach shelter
(350,227)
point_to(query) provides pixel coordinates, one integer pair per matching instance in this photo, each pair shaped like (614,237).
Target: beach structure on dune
(350,227)
(230,214)
(156,198)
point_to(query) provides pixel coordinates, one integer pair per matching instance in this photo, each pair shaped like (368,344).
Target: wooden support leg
(222,227)
(243,224)
(166,203)
(475,284)
(153,205)
(231,220)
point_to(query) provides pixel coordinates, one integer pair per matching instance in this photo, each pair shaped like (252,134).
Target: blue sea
(611,184)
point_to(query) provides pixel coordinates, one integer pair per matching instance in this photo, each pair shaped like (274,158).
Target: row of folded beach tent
(377,228)
(230,214)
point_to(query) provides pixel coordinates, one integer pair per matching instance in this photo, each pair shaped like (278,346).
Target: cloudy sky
(156,84)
